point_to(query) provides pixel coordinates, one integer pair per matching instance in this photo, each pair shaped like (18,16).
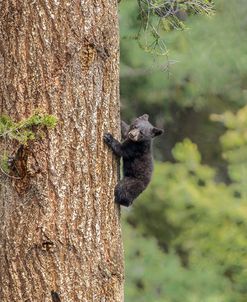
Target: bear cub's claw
(108,138)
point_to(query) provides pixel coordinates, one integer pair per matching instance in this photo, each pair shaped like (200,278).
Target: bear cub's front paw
(108,138)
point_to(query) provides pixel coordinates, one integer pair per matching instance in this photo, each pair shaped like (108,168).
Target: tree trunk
(60,236)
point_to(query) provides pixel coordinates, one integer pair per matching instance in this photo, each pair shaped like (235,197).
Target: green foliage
(187,153)
(212,61)
(4,163)
(27,129)
(155,276)
(205,74)
(159,16)
(234,143)
(207,64)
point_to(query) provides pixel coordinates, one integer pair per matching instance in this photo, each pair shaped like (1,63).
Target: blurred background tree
(185,238)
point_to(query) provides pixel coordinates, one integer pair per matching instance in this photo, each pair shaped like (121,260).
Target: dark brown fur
(137,158)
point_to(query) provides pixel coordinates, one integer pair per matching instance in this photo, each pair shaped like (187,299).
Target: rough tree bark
(60,238)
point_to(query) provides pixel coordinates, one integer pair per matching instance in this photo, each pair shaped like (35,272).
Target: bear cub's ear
(144,117)
(157,131)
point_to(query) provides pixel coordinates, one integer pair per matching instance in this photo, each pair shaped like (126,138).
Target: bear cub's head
(141,130)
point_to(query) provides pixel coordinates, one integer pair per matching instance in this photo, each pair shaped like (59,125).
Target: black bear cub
(137,158)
